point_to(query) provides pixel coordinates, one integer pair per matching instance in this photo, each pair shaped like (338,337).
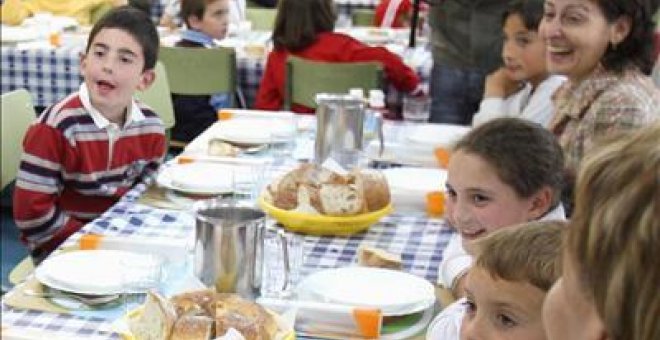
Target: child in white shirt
(522,87)
(505,172)
(514,269)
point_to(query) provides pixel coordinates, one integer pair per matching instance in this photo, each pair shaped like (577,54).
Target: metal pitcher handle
(284,245)
(381,137)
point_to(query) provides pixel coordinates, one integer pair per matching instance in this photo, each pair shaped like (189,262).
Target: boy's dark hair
(530,11)
(137,24)
(194,8)
(524,155)
(637,48)
(298,22)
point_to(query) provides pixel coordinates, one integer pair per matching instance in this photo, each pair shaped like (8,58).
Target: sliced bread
(156,320)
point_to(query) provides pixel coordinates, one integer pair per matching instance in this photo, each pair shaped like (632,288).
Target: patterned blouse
(599,106)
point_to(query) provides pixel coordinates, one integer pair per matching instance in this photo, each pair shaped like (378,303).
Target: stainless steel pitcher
(339,127)
(229,247)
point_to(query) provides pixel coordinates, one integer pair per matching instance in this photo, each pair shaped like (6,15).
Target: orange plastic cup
(435,203)
(54,39)
(185,160)
(224,114)
(442,156)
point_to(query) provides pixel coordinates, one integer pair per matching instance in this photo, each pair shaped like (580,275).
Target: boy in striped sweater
(86,151)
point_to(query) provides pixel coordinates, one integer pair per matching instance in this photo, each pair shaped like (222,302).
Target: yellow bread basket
(321,224)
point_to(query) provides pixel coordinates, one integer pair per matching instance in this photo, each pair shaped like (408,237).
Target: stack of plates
(409,186)
(395,293)
(94,272)
(199,178)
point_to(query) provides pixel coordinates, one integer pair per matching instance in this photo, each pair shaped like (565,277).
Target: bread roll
(156,320)
(375,189)
(193,327)
(341,200)
(199,302)
(375,257)
(229,304)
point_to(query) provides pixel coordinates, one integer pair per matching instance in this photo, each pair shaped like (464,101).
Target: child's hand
(499,85)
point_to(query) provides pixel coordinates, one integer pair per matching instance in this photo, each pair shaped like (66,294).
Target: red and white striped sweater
(76,165)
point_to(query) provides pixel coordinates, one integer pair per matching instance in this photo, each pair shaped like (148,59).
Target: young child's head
(299,22)
(119,59)
(505,289)
(610,280)
(210,17)
(523,50)
(505,172)
(582,34)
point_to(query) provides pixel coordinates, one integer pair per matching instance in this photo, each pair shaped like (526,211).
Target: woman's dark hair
(137,24)
(298,22)
(530,11)
(637,48)
(524,155)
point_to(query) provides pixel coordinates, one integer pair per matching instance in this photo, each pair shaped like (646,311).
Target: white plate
(93,272)
(394,292)
(402,153)
(198,178)
(434,135)
(254,131)
(11,34)
(417,180)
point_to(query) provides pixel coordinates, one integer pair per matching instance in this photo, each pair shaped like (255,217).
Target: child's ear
(541,203)
(148,77)
(620,30)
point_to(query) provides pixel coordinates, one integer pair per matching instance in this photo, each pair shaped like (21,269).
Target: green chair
(305,78)
(158,96)
(363,17)
(200,71)
(17,114)
(262,19)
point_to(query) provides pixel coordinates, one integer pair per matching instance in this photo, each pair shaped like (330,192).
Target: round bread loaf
(315,190)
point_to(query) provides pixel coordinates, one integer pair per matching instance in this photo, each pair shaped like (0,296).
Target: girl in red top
(305,29)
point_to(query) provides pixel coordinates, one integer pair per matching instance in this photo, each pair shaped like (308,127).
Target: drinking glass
(281,249)
(416,109)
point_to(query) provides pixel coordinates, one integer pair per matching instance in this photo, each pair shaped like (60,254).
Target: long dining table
(51,73)
(419,240)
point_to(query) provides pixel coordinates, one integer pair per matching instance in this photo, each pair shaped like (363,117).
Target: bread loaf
(192,327)
(156,320)
(202,315)
(315,190)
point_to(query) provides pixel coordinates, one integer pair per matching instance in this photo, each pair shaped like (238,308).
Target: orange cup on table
(442,155)
(224,114)
(435,204)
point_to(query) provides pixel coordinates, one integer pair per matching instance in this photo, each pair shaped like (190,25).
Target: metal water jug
(339,128)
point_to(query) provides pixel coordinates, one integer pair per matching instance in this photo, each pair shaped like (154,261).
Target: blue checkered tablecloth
(419,240)
(51,74)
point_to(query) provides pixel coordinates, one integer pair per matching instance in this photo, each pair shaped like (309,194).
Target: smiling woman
(604,47)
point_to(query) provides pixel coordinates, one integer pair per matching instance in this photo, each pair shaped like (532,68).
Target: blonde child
(505,172)
(522,87)
(513,270)
(85,152)
(610,280)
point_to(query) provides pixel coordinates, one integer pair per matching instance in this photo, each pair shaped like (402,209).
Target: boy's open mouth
(472,234)
(105,86)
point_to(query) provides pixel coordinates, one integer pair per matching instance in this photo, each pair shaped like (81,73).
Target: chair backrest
(305,78)
(17,114)
(262,19)
(363,17)
(200,71)
(159,98)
